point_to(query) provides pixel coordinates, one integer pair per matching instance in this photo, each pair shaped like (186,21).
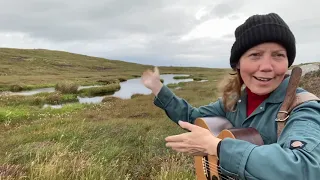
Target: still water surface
(127,89)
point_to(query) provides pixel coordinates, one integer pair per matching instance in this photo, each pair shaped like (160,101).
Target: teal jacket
(274,160)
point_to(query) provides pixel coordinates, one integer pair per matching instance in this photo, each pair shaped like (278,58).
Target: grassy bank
(117,139)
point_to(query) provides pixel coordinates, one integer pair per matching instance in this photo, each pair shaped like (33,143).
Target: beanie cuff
(273,31)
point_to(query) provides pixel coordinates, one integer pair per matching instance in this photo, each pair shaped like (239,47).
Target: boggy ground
(117,139)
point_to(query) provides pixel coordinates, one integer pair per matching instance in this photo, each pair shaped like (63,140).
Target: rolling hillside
(42,68)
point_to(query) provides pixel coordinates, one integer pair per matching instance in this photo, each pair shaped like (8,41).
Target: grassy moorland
(116,139)
(310,82)
(28,69)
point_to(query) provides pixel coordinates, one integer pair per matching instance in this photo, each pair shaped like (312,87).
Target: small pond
(127,89)
(134,86)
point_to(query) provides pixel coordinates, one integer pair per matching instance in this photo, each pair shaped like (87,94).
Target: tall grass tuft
(67,87)
(100,91)
(16,88)
(58,98)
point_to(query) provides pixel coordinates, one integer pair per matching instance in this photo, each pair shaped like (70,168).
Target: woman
(263,51)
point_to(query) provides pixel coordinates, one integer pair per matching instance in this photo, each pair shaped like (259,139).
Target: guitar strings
(208,164)
(211,165)
(224,177)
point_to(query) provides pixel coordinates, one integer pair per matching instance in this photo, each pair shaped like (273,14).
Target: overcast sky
(156,32)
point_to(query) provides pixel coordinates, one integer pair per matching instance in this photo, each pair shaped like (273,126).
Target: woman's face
(263,67)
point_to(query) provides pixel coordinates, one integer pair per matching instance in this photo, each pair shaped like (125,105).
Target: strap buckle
(282,120)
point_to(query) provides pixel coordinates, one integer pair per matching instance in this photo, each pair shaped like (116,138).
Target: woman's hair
(231,91)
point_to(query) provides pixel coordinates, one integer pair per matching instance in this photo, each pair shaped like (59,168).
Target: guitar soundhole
(223,177)
(214,178)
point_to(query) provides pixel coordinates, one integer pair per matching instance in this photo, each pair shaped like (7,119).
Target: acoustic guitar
(207,167)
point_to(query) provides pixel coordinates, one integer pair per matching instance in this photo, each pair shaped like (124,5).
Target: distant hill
(44,68)
(34,68)
(48,62)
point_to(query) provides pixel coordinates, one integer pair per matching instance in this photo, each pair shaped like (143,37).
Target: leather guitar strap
(290,96)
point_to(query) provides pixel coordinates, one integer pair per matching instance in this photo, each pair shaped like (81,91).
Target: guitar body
(207,167)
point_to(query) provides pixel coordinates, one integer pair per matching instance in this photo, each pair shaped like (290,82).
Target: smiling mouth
(262,79)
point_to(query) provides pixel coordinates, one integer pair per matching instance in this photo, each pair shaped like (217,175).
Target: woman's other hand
(199,141)
(151,80)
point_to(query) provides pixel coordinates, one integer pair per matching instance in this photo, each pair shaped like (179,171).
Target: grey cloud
(222,10)
(76,20)
(306,30)
(113,29)
(225,9)
(234,17)
(228,36)
(143,31)
(198,52)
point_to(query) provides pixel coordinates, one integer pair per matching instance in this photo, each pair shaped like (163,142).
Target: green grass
(198,77)
(181,77)
(116,139)
(38,99)
(109,141)
(100,91)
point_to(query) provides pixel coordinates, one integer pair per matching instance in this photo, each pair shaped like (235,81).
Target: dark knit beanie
(258,29)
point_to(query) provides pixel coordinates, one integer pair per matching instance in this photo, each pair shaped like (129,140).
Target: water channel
(127,89)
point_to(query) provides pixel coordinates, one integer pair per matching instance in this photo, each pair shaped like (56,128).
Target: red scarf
(254,100)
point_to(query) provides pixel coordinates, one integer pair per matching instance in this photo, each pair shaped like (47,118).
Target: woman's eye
(254,54)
